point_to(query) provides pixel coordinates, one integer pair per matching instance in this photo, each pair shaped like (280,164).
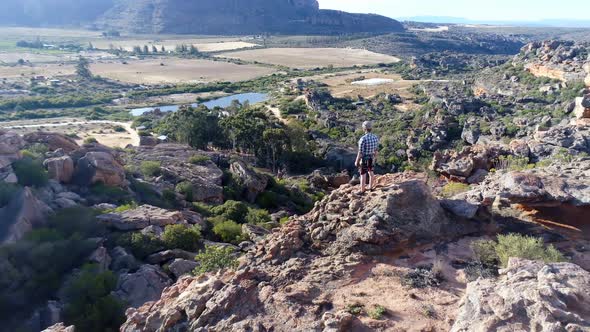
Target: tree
(193,50)
(137,49)
(146,49)
(154,49)
(196,127)
(83,68)
(163,49)
(245,129)
(277,143)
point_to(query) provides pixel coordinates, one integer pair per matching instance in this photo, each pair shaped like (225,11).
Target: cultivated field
(174,70)
(312,57)
(340,85)
(202,44)
(47,70)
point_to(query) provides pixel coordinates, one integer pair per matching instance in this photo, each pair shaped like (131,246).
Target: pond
(252,98)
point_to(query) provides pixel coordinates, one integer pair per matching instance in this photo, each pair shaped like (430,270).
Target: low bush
(454,188)
(141,245)
(215,258)
(7,191)
(182,237)
(186,188)
(30,172)
(150,168)
(91,306)
(227,230)
(232,210)
(485,252)
(90,140)
(198,159)
(377,312)
(527,247)
(257,217)
(104,193)
(422,277)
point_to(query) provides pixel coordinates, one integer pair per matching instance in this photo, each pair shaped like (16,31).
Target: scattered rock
(99,167)
(254,233)
(582,109)
(60,327)
(10,146)
(168,255)
(53,141)
(24,212)
(122,260)
(101,257)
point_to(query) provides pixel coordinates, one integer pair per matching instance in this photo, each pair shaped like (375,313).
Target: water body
(252,98)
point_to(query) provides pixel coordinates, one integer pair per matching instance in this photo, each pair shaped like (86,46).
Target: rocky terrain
(200,17)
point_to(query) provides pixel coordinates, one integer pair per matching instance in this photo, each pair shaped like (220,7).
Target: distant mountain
(195,16)
(563,23)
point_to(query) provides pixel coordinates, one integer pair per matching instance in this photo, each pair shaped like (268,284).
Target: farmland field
(312,57)
(175,70)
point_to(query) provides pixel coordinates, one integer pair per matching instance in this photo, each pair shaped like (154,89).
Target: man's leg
(371,180)
(363,181)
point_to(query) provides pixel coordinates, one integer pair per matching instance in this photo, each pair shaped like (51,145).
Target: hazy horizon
(499,10)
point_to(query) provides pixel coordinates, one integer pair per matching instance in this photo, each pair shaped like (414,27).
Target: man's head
(367,126)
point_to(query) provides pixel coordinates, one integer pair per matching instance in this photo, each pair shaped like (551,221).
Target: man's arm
(357,163)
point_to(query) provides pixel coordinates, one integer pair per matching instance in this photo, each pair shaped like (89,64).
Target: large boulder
(142,217)
(582,109)
(24,212)
(10,146)
(459,166)
(180,267)
(60,168)
(528,295)
(60,327)
(53,141)
(252,182)
(99,167)
(142,286)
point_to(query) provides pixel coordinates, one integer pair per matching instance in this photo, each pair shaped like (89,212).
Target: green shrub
(378,312)
(512,163)
(76,221)
(215,258)
(90,140)
(186,188)
(141,245)
(202,208)
(119,129)
(454,188)
(485,252)
(257,217)
(7,191)
(527,247)
(232,210)
(35,151)
(150,168)
(227,230)
(198,159)
(182,237)
(30,172)
(90,303)
(126,207)
(110,194)
(355,309)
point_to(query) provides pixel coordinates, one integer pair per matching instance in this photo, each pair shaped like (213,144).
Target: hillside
(196,17)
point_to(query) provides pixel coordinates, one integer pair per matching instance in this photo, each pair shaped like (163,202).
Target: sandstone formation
(286,280)
(528,295)
(53,141)
(60,327)
(562,60)
(60,168)
(99,167)
(205,177)
(142,217)
(142,286)
(10,146)
(24,212)
(582,110)
(461,166)
(252,182)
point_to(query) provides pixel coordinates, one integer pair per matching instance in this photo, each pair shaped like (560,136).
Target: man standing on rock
(365,159)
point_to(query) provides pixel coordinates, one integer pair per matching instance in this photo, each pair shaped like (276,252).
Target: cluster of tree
(30,44)
(184,49)
(246,129)
(147,49)
(63,101)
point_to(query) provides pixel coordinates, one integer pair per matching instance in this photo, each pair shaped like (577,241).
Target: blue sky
(509,10)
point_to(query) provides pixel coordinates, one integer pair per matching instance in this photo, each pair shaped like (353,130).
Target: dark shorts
(367,165)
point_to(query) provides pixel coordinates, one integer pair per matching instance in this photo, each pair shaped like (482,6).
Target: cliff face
(195,17)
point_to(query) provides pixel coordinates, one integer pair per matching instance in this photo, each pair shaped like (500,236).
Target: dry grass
(202,44)
(177,71)
(47,70)
(312,57)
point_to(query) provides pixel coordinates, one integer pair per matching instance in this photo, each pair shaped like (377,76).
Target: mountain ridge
(236,17)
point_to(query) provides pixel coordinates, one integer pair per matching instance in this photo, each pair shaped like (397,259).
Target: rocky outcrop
(10,146)
(142,217)
(461,166)
(230,17)
(561,183)
(205,177)
(285,282)
(562,60)
(60,168)
(180,267)
(587,70)
(548,297)
(60,327)
(252,182)
(142,286)
(24,212)
(325,179)
(99,167)
(53,141)
(582,109)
